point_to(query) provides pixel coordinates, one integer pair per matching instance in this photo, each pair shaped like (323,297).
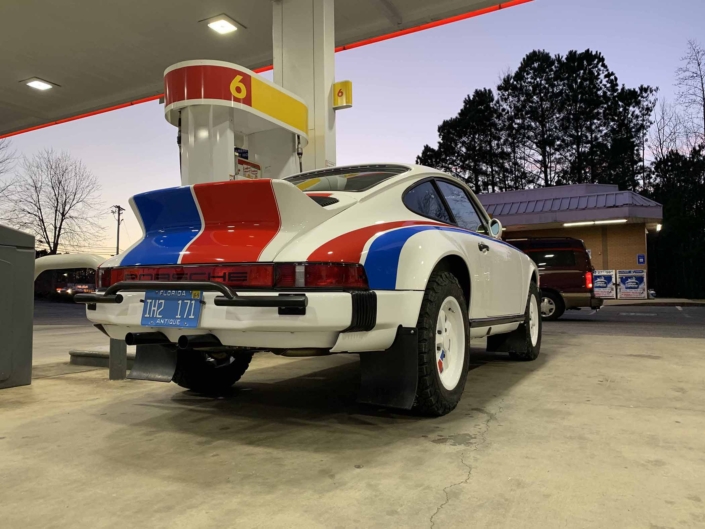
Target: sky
(403,89)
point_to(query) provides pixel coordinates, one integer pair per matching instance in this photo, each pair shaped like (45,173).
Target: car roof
(405,172)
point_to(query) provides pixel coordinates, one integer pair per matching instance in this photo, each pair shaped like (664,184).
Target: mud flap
(513,342)
(154,362)
(389,378)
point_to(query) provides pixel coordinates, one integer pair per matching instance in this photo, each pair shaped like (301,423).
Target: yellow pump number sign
(342,95)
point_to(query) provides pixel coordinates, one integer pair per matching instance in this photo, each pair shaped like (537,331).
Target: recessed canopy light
(593,222)
(38,84)
(573,224)
(658,227)
(615,221)
(222,24)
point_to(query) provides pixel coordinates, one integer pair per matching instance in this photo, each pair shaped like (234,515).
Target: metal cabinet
(16,307)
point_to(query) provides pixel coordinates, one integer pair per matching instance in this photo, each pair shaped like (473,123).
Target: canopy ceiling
(105,54)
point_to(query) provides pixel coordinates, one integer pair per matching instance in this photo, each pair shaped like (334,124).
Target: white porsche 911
(397,263)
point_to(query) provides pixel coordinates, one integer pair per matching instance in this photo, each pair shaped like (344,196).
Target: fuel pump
(233,123)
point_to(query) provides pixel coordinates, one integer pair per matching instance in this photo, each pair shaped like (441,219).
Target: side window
(424,200)
(553,258)
(463,210)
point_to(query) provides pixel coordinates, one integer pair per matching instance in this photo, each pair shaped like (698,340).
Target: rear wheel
(523,343)
(209,373)
(444,344)
(552,305)
(526,344)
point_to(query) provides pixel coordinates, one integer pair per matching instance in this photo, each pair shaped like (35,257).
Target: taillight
(253,276)
(279,275)
(320,275)
(103,278)
(588,280)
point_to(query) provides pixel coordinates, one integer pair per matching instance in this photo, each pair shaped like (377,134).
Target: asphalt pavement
(667,322)
(58,328)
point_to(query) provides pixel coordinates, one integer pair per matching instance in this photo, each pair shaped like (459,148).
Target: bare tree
(667,132)
(57,198)
(7,159)
(690,80)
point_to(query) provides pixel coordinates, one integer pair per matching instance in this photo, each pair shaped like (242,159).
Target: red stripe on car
(240,219)
(347,248)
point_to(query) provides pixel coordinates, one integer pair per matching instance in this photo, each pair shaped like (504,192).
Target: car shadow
(312,413)
(268,409)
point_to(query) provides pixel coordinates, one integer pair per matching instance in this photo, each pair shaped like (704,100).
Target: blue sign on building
(641,259)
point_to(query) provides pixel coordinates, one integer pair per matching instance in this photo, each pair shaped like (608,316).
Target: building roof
(573,203)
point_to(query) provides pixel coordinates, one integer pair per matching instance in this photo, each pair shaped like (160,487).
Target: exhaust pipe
(302,353)
(146,338)
(198,341)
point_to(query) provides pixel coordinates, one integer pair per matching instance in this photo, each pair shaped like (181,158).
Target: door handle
(483,247)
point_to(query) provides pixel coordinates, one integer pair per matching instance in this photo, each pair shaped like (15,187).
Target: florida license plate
(172,308)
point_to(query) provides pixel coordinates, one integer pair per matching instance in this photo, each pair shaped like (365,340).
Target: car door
(501,261)
(426,200)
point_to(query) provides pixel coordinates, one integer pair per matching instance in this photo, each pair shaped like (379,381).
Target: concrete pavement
(603,430)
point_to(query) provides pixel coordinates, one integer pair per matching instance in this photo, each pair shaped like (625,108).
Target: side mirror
(496,228)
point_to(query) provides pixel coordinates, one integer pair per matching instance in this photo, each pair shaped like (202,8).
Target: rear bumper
(328,322)
(581,300)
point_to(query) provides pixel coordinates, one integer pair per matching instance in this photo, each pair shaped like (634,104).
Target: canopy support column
(303,34)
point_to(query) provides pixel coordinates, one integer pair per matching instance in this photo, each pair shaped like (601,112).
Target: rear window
(353,179)
(553,258)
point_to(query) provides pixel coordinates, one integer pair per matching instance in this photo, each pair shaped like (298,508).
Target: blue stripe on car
(383,255)
(171,221)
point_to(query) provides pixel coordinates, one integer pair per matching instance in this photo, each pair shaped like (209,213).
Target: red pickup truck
(565,273)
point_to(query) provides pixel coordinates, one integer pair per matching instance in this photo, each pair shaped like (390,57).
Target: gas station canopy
(103,55)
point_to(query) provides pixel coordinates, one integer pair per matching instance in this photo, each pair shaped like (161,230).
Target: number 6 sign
(342,95)
(237,88)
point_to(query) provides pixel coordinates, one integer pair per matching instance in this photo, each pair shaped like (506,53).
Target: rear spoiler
(229,222)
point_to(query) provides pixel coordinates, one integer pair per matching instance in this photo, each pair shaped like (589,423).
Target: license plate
(172,308)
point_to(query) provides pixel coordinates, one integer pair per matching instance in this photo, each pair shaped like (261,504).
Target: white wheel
(534,320)
(450,343)
(524,343)
(443,346)
(548,307)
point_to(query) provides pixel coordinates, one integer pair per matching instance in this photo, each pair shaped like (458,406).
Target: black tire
(558,302)
(519,343)
(432,398)
(197,371)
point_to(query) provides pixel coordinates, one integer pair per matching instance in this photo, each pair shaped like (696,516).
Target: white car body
(398,248)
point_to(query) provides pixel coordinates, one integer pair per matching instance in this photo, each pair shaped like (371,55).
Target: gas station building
(613,224)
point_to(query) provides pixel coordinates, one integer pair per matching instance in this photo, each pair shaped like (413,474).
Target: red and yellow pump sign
(211,82)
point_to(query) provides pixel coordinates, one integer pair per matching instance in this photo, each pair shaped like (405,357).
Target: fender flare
(415,268)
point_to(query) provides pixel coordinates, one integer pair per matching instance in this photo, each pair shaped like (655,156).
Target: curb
(657,304)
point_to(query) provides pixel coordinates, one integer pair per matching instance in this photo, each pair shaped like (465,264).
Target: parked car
(398,263)
(70,289)
(566,274)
